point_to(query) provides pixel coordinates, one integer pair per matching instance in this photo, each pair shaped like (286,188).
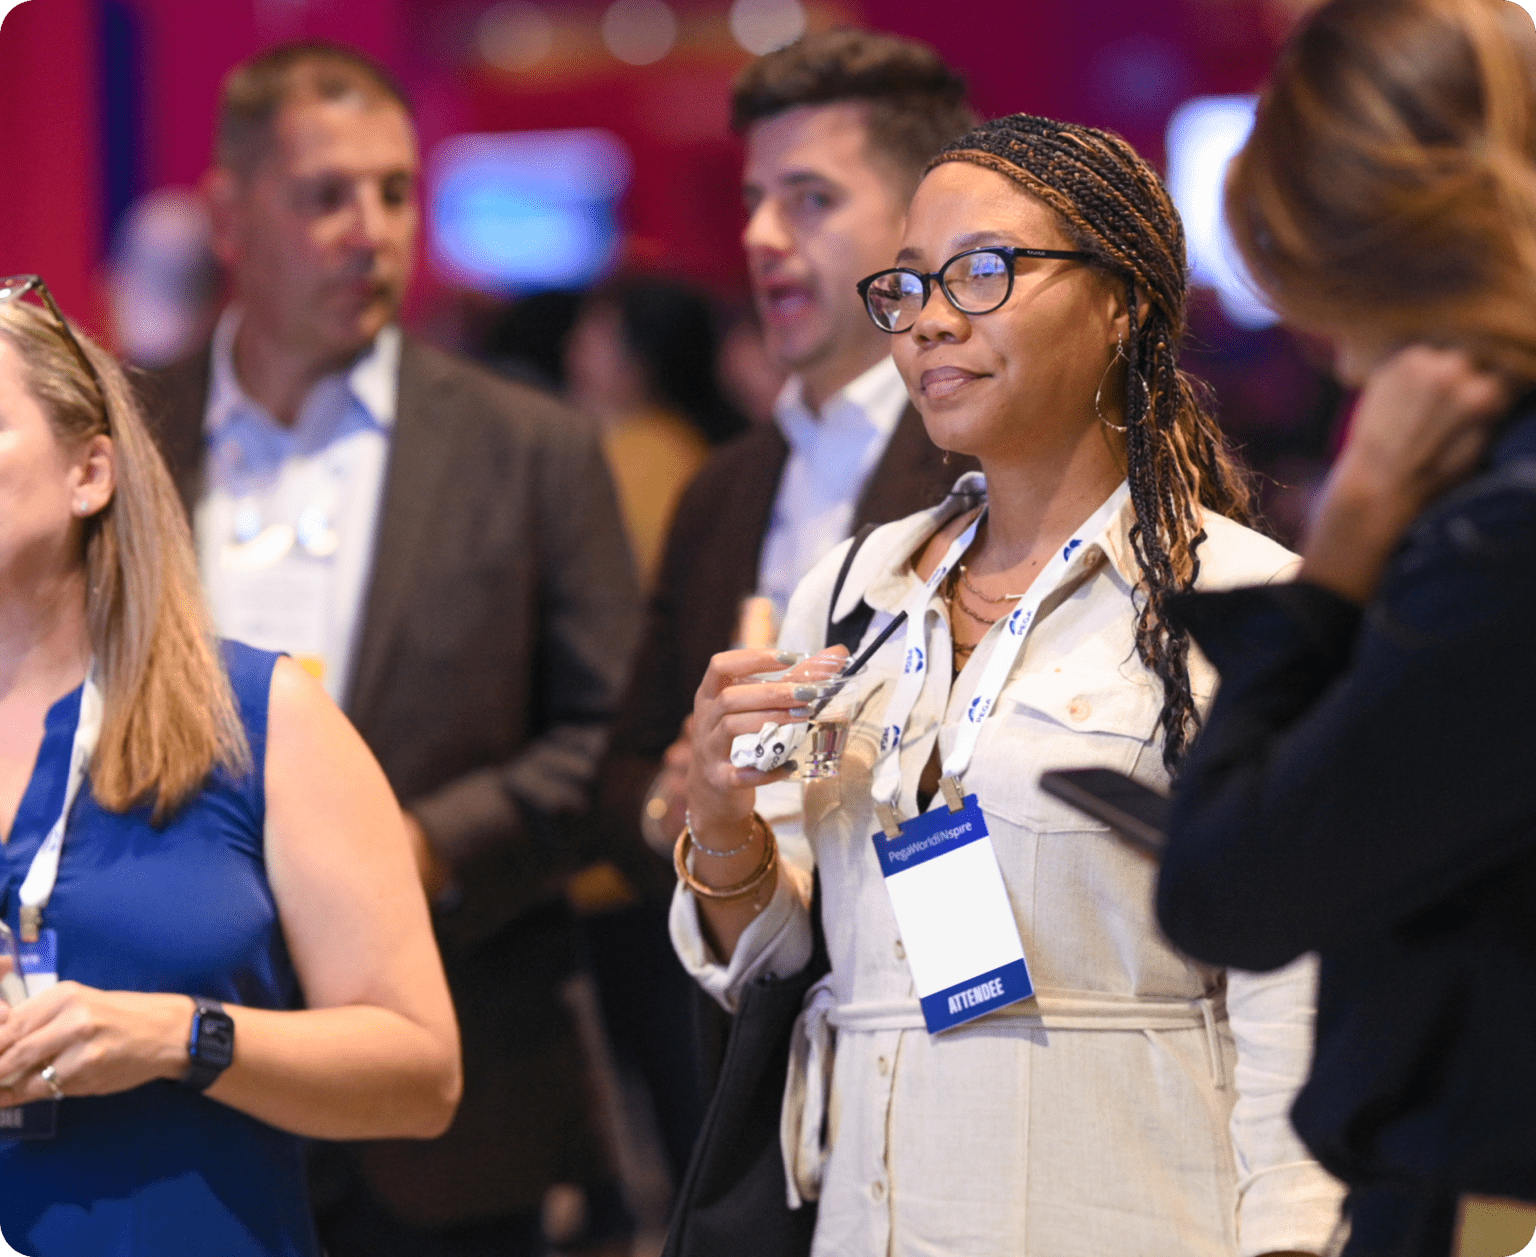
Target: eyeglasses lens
(895,300)
(977,282)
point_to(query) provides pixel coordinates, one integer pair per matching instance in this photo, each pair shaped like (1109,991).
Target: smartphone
(13,989)
(1137,813)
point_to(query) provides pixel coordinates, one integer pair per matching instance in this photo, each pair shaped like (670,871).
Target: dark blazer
(496,636)
(1365,788)
(709,565)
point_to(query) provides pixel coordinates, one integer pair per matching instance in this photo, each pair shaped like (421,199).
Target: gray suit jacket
(496,637)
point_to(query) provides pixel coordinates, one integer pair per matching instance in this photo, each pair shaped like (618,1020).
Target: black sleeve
(1356,770)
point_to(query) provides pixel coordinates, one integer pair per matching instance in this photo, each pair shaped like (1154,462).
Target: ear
(93,479)
(221,192)
(1117,308)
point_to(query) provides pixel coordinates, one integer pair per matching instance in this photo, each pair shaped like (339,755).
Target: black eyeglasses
(14,287)
(977,281)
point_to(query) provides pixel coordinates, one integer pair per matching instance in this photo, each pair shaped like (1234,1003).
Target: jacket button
(1079,709)
(901,952)
(877,1190)
(883,1066)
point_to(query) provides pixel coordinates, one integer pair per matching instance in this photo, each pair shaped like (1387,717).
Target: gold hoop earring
(1098,393)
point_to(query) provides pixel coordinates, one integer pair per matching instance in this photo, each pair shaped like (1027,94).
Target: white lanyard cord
(914,667)
(887,782)
(43,874)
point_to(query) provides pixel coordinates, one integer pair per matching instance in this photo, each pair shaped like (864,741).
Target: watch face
(215,1038)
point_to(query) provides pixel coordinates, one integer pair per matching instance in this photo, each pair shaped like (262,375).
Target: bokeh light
(639,31)
(760,26)
(514,35)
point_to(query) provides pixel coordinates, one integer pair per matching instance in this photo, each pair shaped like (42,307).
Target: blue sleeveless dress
(159,1171)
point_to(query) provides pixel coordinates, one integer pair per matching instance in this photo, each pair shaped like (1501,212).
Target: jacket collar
(882,573)
(419,454)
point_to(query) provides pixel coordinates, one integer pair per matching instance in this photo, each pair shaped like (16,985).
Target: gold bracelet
(741,889)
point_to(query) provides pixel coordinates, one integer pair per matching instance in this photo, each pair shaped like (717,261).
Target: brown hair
(1390,178)
(168,715)
(257,89)
(1113,206)
(915,103)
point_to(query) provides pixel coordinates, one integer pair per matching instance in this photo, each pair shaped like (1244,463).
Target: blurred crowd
(414,691)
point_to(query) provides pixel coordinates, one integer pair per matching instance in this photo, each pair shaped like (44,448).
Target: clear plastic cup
(831,714)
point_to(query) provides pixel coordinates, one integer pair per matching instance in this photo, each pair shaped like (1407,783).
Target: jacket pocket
(1071,719)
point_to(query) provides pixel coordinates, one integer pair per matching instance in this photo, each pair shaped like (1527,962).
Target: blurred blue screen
(1204,136)
(525,210)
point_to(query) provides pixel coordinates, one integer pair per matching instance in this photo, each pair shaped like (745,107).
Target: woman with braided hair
(1122,1100)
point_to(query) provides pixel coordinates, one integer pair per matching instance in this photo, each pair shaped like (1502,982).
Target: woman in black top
(1366,784)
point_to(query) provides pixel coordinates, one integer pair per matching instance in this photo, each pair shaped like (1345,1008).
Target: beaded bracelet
(737,850)
(742,888)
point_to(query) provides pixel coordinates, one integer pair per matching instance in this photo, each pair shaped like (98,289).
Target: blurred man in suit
(838,128)
(443,549)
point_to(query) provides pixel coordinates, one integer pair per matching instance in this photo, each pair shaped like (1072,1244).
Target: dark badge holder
(38,1120)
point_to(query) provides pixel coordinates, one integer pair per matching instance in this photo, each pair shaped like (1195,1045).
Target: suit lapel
(419,451)
(752,507)
(175,401)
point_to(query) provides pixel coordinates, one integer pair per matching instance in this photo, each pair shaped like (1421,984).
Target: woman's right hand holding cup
(732,700)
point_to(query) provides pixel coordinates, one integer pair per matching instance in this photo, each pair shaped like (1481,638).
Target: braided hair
(1114,206)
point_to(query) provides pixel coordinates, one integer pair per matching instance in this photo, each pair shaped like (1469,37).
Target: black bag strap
(849,631)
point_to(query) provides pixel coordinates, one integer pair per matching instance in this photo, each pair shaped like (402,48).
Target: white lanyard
(887,782)
(37,889)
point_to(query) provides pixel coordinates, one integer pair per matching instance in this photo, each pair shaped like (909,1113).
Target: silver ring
(49,1075)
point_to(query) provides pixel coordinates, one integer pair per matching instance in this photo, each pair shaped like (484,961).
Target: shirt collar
(889,588)
(873,401)
(373,379)
(1114,543)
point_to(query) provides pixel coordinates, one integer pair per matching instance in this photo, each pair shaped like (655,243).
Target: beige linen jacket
(1138,1105)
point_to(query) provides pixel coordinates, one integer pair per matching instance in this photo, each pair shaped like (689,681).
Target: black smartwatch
(211,1046)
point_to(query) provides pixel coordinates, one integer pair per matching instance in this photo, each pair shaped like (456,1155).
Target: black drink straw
(864,657)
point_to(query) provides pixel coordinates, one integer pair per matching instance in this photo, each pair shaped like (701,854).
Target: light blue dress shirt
(287,521)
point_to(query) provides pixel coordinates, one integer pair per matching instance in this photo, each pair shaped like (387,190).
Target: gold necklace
(965,580)
(952,599)
(960,652)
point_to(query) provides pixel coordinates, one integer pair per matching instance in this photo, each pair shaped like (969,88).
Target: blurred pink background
(105,100)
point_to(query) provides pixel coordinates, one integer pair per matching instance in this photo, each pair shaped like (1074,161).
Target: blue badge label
(41,957)
(40,961)
(929,836)
(976,997)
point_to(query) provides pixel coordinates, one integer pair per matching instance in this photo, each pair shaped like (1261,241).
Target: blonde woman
(225,943)
(1364,788)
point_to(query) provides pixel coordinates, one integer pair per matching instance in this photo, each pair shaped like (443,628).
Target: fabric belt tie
(812,1050)
(806,1089)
